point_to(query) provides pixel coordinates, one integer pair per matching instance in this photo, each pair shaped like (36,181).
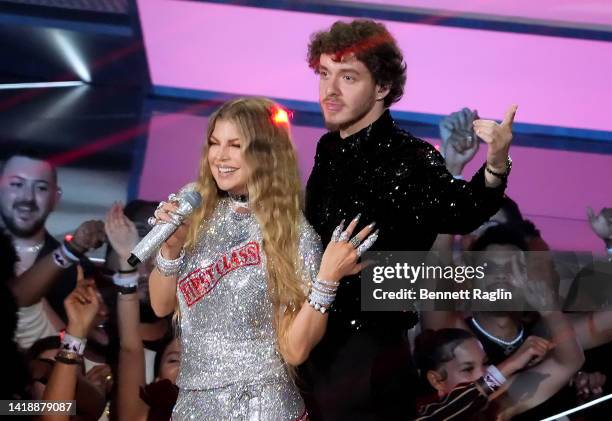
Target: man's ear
(436,380)
(382,92)
(58,196)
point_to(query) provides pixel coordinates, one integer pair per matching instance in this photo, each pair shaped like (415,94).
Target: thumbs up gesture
(498,137)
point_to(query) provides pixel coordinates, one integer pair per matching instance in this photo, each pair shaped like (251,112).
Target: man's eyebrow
(342,70)
(346,67)
(25,179)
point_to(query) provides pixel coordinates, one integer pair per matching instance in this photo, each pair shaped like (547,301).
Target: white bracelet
(73,344)
(126,281)
(69,255)
(493,378)
(60,259)
(494,371)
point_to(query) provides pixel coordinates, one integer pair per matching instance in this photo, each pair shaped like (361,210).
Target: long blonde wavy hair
(274,195)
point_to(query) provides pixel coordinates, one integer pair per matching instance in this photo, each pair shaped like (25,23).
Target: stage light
(578,408)
(280,116)
(71,54)
(34,85)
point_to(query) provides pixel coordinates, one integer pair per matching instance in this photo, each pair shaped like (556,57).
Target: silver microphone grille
(193,198)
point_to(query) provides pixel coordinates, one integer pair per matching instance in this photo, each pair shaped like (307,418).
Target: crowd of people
(251,309)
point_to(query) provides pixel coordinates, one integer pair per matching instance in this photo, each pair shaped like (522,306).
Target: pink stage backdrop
(251,51)
(552,187)
(587,13)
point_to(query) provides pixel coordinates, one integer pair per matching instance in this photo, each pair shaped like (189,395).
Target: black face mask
(161,397)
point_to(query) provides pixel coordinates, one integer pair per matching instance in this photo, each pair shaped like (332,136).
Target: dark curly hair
(371,44)
(434,348)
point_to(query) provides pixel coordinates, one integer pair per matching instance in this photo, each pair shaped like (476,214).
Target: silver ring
(344,236)
(157,213)
(176,218)
(367,243)
(152,221)
(172,197)
(336,234)
(355,241)
(162,203)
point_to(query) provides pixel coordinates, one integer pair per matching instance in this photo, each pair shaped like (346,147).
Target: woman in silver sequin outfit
(241,267)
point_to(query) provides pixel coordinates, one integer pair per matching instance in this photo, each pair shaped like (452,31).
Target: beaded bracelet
(322,294)
(169,267)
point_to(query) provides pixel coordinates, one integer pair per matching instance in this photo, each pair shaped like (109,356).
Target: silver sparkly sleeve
(311,252)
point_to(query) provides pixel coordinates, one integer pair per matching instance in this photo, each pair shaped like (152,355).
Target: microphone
(188,201)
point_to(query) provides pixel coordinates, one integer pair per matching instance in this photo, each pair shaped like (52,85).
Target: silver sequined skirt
(275,401)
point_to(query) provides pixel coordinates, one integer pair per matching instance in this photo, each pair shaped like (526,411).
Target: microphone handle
(151,242)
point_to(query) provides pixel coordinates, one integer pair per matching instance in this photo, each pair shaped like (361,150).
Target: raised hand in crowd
(601,224)
(88,236)
(81,306)
(121,233)
(497,136)
(459,141)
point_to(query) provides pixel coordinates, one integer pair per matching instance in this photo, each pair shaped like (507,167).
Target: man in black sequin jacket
(362,370)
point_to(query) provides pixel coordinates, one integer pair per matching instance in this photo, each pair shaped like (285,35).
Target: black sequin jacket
(399,181)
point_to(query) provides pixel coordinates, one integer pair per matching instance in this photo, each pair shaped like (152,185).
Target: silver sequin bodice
(227,332)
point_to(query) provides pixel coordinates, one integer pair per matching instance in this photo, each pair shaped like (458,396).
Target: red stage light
(281,116)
